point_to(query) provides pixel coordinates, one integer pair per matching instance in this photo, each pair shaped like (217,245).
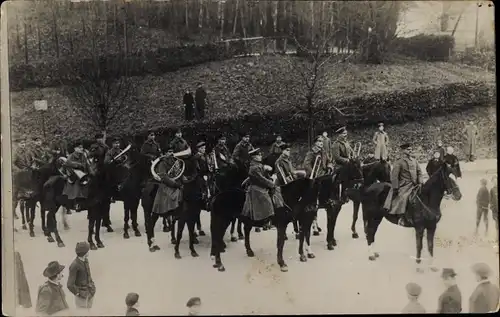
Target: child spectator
(194,305)
(80,281)
(450,302)
(485,297)
(413,291)
(132,302)
(482,202)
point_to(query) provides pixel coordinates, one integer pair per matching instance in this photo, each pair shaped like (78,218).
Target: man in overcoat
(168,196)
(113,152)
(200,97)
(381,141)
(23,161)
(188,101)
(471,133)
(178,143)
(285,166)
(203,178)
(486,296)
(258,203)
(80,282)
(341,154)
(74,189)
(151,148)
(310,158)
(405,176)
(51,300)
(41,153)
(222,154)
(241,152)
(434,164)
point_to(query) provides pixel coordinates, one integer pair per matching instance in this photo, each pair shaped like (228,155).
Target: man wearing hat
(276,146)
(381,141)
(341,153)
(178,144)
(222,154)
(202,168)
(413,290)
(241,152)
(59,147)
(151,148)
(310,158)
(80,281)
(258,203)
(40,153)
(168,196)
(485,298)
(284,167)
(99,148)
(113,152)
(51,298)
(200,97)
(450,302)
(405,176)
(74,189)
(23,161)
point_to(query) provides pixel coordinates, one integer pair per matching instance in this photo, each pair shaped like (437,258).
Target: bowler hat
(482,269)
(131,299)
(193,301)
(404,146)
(52,269)
(254,152)
(447,272)
(413,289)
(82,248)
(200,144)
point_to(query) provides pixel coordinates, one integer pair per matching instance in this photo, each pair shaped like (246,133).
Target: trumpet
(315,168)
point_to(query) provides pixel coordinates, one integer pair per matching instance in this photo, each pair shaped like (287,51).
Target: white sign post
(41,106)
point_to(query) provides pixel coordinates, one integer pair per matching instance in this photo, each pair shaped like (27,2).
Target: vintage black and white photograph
(245,157)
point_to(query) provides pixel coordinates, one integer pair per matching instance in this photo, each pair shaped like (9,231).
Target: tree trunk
(25,43)
(56,34)
(40,41)
(222,7)
(275,23)
(200,15)
(310,119)
(186,14)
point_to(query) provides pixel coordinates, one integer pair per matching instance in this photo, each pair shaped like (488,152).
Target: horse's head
(443,179)
(377,171)
(354,173)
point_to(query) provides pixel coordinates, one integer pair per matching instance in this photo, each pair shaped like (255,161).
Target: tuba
(73,175)
(177,168)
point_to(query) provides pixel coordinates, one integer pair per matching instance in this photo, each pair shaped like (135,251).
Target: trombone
(356,150)
(282,174)
(316,167)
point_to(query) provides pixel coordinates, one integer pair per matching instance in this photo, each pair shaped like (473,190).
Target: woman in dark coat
(188,101)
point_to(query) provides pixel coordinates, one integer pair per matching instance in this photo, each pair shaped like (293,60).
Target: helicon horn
(186,152)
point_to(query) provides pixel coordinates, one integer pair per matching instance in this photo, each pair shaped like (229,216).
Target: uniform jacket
(275,148)
(381,140)
(433,166)
(283,162)
(169,195)
(485,298)
(450,302)
(494,199)
(23,158)
(76,190)
(471,133)
(240,153)
(59,148)
(110,154)
(51,299)
(454,163)
(222,155)
(151,149)
(258,204)
(179,144)
(311,157)
(340,152)
(41,155)
(483,198)
(80,281)
(202,164)
(405,175)
(98,151)
(413,307)
(131,311)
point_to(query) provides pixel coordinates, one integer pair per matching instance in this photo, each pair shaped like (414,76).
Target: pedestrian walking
(471,133)
(200,98)
(188,101)
(482,203)
(132,302)
(485,297)
(51,300)
(413,292)
(450,302)
(194,306)
(22,286)
(381,141)
(80,281)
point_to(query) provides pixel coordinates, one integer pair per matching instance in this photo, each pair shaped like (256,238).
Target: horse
(422,212)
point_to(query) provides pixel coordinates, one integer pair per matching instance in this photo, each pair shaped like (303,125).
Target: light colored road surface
(339,281)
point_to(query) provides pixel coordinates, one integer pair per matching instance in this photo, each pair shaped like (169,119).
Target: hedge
(393,107)
(426,47)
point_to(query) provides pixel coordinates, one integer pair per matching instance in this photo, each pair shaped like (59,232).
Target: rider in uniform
(178,143)
(405,175)
(310,158)
(202,168)
(74,190)
(41,154)
(341,153)
(151,148)
(23,160)
(113,152)
(283,164)
(241,152)
(222,153)
(59,147)
(276,146)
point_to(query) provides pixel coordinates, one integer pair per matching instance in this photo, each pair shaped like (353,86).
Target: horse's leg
(133,214)
(419,234)
(43,218)
(166,224)
(372,222)
(217,229)
(296,228)
(24,215)
(231,231)
(191,222)
(307,236)
(91,222)
(247,228)
(355,212)
(280,244)
(198,225)
(98,222)
(51,224)
(64,218)
(31,209)
(181,222)
(302,223)
(315,227)
(60,242)
(126,218)
(106,217)
(152,218)
(431,230)
(239,223)
(332,215)
(172,229)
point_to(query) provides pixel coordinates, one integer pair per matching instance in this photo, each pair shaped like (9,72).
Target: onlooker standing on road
(51,298)
(188,101)
(194,306)
(486,296)
(482,202)
(132,302)
(470,149)
(381,141)
(450,302)
(80,281)
(494,201)
(201,100)
(413,291)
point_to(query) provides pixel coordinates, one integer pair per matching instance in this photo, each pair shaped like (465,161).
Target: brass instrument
(355,151)
(122,156)
(215,160)
(282,174)
(177,168)
(316,166)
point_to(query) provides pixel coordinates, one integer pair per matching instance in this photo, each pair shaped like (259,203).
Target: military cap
(77,144)
(380,124)
(447,272)
(115,139)
(52,269)
(245,135)
(221,137)
(200,144)
(341,130)
(193,301)
(255,152)
(404,146)
(171,148)
(413,289)
(151,132)
(178,131)
(318,138)
(82,248)
(99,136)
(131,299)
(482,269)
(284,146)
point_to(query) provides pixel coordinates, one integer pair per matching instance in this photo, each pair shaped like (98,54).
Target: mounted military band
(177,169)
(316,166)
(354,153)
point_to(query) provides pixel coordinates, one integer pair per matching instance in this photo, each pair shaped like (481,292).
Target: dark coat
(340,152)
(80,281)
(202,164)
(51,299)
(240,152)
(311,157)
(23,289)
(59,148)
(450,302)
(131,311)
(76,190)
(485,298)
(98,152)
(483,198)
(222,155)
(110,154)
(188,101)
(179,144)
(433,166)
(441,151)
(200,97)
(41,155)
(258,204)
(381,140)
(454,163)
(405,175)
(284,164)
(23,159)
(275,148)
(151,149)
(169,194)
